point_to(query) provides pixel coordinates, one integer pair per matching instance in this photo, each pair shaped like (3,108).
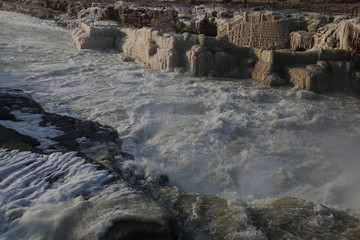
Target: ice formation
(241,45)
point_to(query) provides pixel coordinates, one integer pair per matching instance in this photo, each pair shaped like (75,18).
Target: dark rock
(108,13)
(208,27)
(166,22)
(133,230)
(138,17)
(14,99)
(74,8)
(5,114)
(74,129)
(11,139)
(163,180)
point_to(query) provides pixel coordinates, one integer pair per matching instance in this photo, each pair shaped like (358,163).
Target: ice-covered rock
(342,35)
(311,78)
(301,40)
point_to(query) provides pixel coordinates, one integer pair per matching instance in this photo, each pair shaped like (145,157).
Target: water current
(237,140)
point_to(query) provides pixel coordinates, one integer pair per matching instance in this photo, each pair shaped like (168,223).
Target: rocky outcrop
(11,139)
(199,54)
(46,9)
(100,35)
(74,134)
(217,57)
(318,71)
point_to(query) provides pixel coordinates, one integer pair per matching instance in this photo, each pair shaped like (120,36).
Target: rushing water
(237,140)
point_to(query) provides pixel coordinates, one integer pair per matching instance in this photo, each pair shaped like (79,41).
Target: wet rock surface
(73,129)
(11,139)
(293,218)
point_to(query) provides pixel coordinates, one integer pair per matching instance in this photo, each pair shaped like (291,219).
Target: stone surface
(11,139)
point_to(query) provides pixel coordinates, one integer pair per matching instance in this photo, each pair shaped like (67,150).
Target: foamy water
(237,140)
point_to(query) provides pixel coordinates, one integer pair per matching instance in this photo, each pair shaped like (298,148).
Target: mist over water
(238,140)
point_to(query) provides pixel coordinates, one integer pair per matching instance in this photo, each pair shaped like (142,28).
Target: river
(236,140)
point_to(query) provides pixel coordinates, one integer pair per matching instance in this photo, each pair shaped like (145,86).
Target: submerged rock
(293,218)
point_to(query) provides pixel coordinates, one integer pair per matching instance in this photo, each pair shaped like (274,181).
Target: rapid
(236,140)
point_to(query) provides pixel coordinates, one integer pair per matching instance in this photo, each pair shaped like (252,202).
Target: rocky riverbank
(25,126)
(315,52)
(138,207)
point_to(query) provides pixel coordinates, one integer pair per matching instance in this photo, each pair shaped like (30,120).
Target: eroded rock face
(217,57)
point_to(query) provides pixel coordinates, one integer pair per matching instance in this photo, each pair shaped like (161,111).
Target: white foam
(39,192)
(61,196)
(25,20)
(29,124)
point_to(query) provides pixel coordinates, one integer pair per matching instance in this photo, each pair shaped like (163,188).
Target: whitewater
(237,140)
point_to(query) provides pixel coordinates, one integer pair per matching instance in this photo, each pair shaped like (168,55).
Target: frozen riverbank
(241,141)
